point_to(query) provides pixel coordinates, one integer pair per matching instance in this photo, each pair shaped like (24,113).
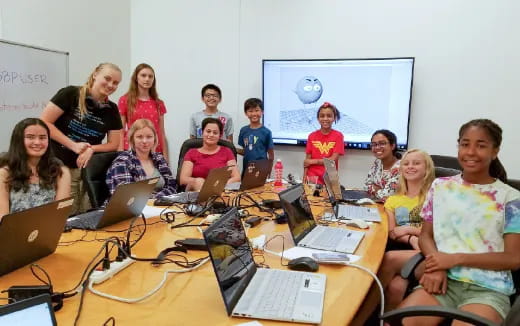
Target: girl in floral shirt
(383,177)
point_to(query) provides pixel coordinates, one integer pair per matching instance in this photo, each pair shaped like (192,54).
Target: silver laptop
(254,176)
(261,293)
(127,201)
(214,185)
(305,231)
(32,311)
(29,235)
(334,187)
(343,211)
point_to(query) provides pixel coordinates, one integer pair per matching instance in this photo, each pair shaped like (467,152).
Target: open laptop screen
(29,312)
(231,256)
(299,215)
(333,186)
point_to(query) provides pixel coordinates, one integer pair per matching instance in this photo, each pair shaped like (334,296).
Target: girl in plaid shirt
(141,162)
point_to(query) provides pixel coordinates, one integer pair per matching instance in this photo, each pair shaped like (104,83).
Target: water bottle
(278,173)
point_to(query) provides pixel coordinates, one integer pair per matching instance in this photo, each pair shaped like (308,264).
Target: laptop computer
(343,211)
(260,293)
(305,231)
(127,201)
(29,235)
(254,176)
(341,194)
(36,310)
(213,186)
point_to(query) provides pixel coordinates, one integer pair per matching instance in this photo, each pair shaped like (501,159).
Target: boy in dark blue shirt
(255,139)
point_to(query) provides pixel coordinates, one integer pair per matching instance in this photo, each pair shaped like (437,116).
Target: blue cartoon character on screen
(309,89)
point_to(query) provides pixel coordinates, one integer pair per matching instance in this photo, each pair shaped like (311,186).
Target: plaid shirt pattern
(127,168)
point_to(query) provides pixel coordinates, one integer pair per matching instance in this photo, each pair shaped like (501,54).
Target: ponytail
(88,85)
(497,170)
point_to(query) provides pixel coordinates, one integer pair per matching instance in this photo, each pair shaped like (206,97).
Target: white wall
(91,31)
(465,53)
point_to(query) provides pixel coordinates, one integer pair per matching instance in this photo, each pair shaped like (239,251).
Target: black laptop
(127,201)
(29,235)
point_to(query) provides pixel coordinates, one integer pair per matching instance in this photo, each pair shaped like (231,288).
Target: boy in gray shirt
(211,96)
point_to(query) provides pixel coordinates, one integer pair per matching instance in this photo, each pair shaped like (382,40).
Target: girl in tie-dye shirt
(471,232)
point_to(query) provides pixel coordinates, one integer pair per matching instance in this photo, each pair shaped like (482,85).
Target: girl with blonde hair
(403,209)
(141,161)
(79,118)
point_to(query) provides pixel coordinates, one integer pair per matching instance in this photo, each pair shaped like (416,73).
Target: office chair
(445,172)
(396,316)
(94,176)
(515,183)
(197,143)
(446,162)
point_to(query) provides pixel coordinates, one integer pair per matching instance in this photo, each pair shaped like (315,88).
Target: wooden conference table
(191,298)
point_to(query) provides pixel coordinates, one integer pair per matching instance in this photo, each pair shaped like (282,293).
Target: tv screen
(370,94)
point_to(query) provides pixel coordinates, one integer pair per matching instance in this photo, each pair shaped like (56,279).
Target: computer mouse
(357,223)
(364,201)
(305,264)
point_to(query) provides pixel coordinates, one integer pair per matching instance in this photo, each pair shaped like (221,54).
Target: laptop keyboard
(234,186)
(278,298)
(358,212)
(187,197)
(329,238)
(85,221)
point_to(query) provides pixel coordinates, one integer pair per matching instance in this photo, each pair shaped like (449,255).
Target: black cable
(88,265)
(283,247)
(112,319)
(49,282)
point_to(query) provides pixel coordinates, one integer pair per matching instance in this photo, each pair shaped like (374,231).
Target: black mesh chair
(196,143)
(396,316)
(94,176)
(445,161)
(515,183)
(445,172)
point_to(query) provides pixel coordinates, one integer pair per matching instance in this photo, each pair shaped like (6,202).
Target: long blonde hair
(133,90)
(138,125)
(429,175)
(83,90)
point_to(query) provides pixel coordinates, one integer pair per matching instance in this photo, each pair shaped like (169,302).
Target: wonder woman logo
(324,148)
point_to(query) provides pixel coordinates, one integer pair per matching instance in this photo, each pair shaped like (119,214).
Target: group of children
(467,226)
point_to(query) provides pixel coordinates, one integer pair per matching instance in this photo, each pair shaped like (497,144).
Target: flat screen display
(370,94)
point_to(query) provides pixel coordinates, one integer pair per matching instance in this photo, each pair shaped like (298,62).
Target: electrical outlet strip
(98,277)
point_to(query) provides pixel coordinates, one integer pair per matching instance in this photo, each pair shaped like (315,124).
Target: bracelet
(409,238)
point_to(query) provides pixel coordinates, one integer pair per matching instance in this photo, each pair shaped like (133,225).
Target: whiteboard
(29,77)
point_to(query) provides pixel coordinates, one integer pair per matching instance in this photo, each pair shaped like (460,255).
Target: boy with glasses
(211,96)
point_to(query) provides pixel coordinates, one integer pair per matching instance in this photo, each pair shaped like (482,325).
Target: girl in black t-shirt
(79,118)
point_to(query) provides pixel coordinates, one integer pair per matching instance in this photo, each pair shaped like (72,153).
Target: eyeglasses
(379,144)
(211,96)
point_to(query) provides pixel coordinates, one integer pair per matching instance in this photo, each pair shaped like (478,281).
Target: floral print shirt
(382,183)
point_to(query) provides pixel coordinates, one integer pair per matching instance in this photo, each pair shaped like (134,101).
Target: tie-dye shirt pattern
(473,218)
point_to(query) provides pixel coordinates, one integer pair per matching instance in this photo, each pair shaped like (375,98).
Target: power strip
(98,277)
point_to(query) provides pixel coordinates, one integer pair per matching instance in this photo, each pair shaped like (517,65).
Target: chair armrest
(395,317)
(411,264)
